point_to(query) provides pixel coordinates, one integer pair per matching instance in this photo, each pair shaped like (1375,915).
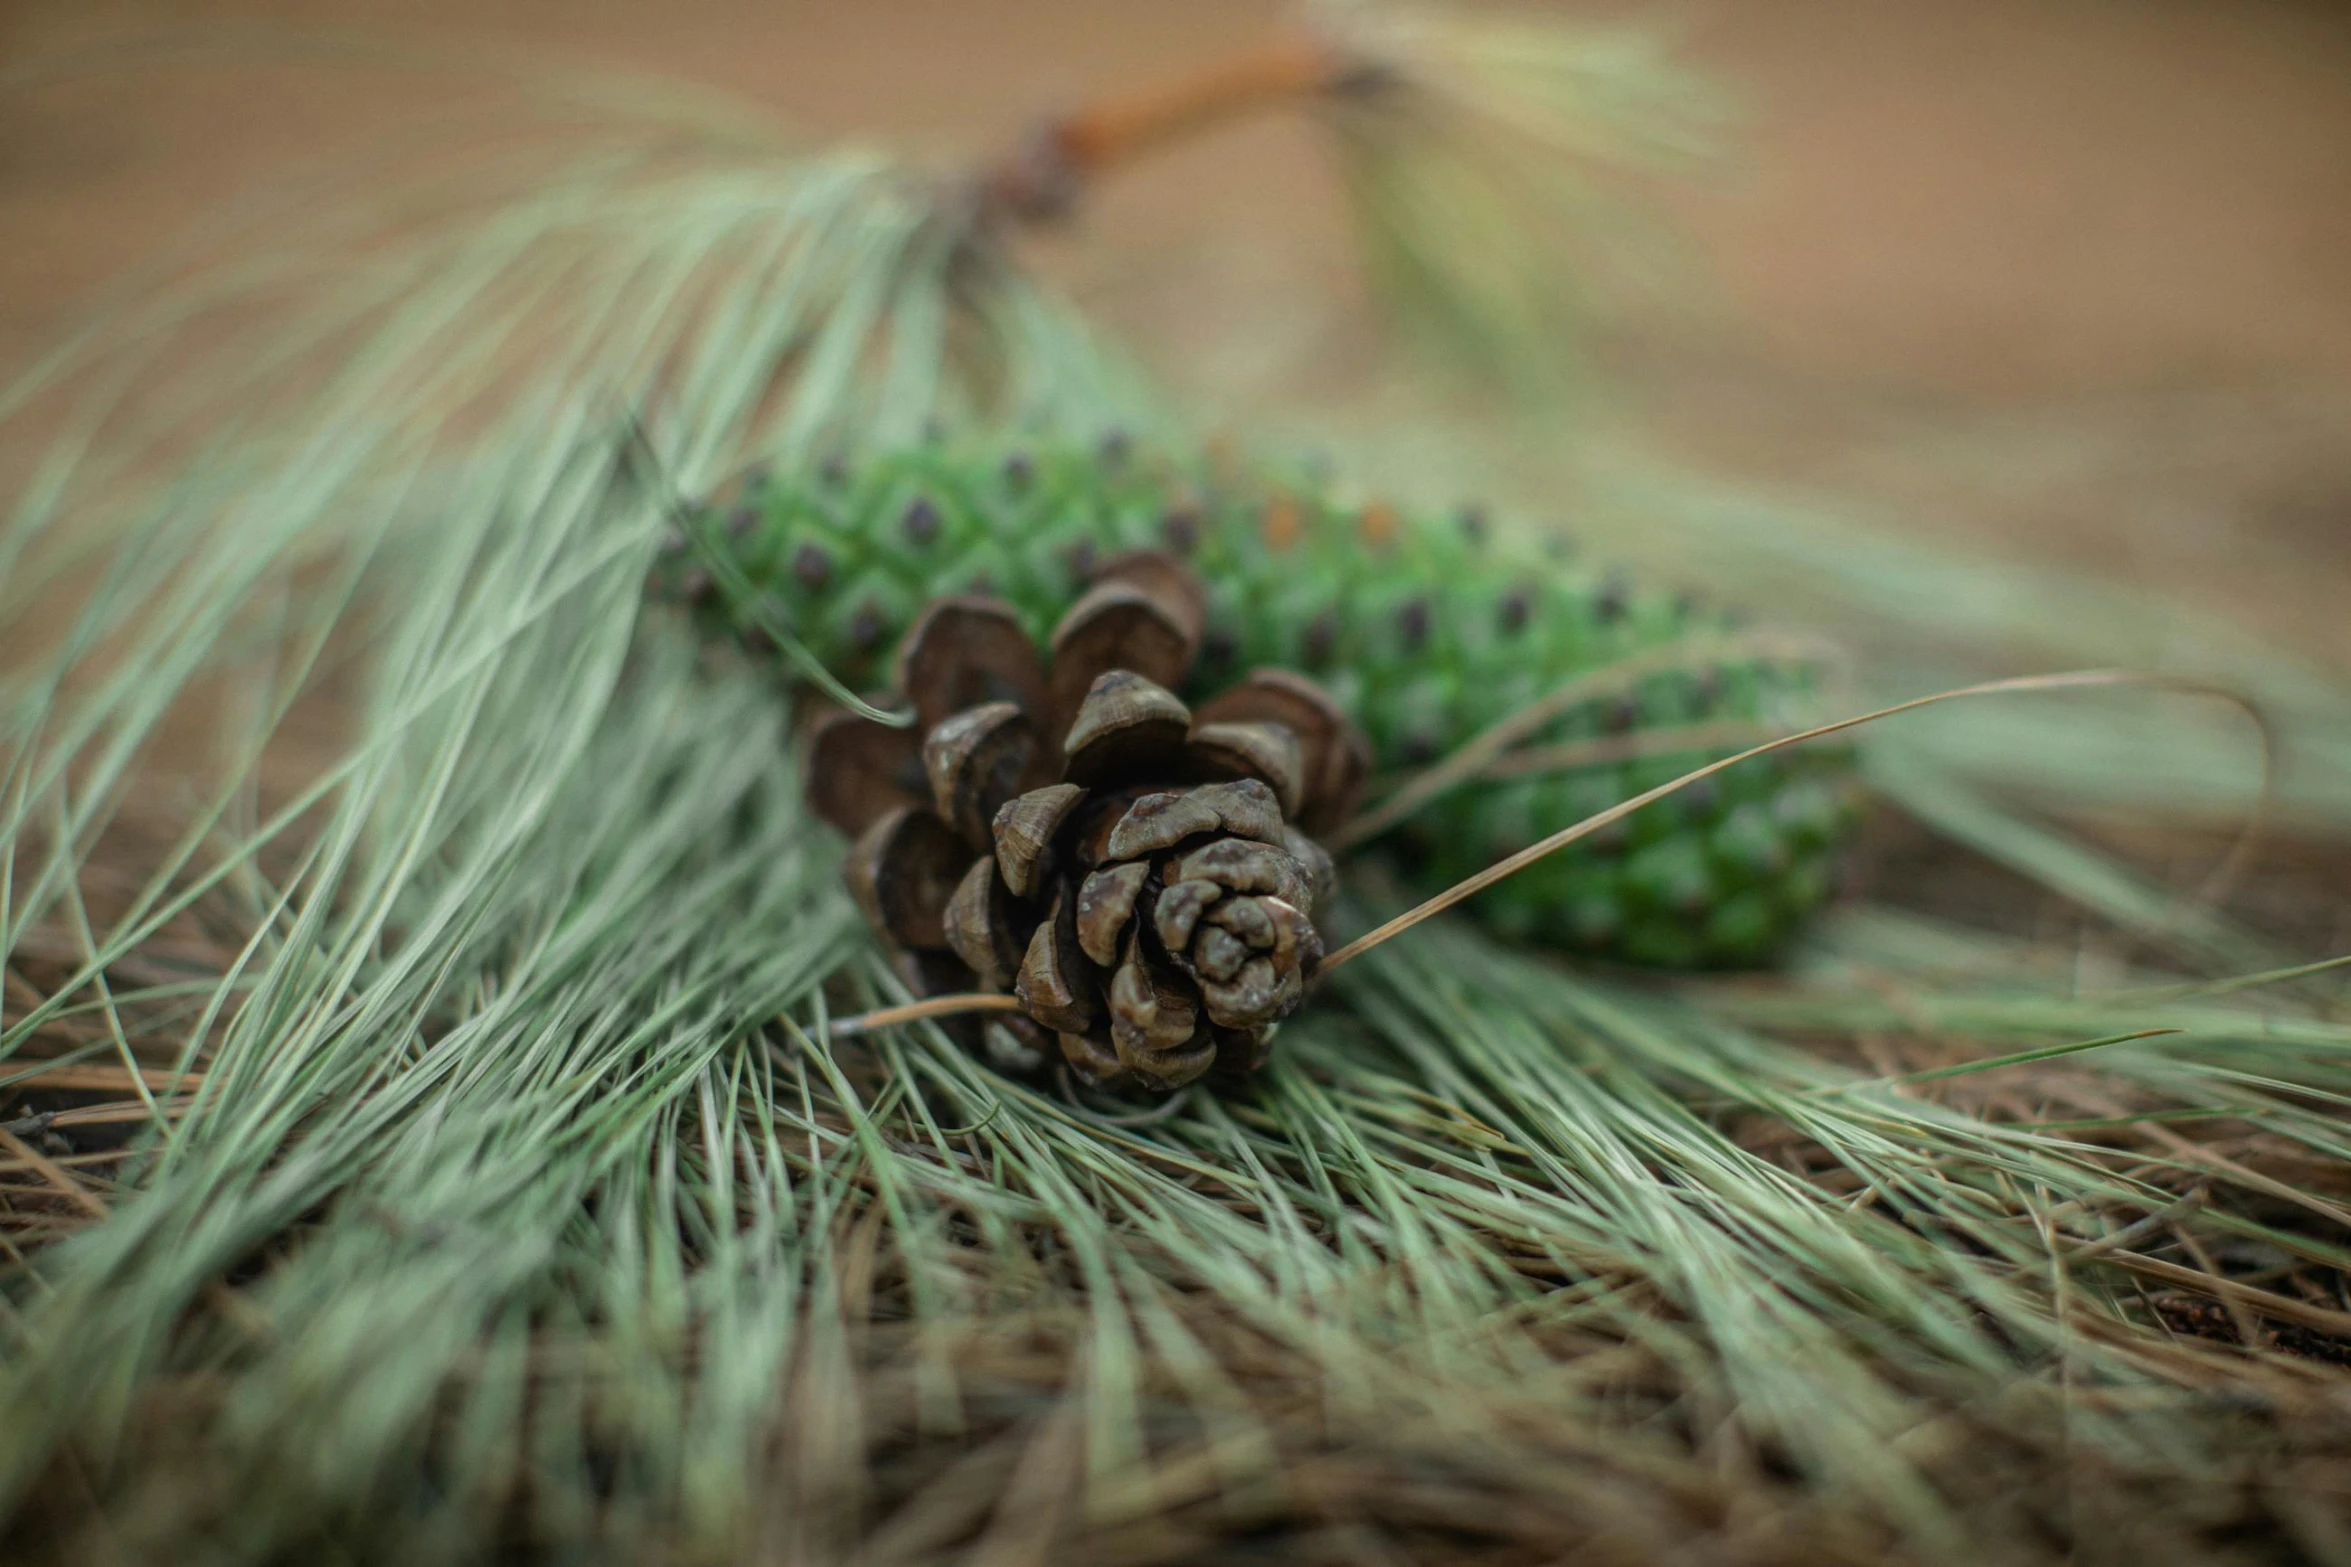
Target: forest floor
(2060,280)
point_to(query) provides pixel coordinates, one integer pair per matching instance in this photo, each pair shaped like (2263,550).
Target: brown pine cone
(1139,875)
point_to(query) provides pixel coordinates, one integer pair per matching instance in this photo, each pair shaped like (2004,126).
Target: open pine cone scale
(1065,829)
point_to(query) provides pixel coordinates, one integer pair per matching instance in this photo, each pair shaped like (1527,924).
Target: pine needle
(1493,163)
(502,1214)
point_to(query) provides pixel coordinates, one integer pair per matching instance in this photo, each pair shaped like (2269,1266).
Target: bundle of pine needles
(426,1143)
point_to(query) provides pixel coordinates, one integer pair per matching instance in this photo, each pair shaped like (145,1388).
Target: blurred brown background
(2067,277)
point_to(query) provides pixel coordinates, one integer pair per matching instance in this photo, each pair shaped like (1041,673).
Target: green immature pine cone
(1065,830)
(1426,629)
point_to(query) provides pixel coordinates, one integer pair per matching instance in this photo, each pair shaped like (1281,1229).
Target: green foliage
(522,1209)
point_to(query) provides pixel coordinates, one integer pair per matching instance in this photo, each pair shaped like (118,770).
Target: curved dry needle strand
(2077,680)
(921,1011)
(2072,681)
(1485,751)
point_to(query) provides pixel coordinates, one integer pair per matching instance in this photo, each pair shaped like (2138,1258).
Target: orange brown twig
(1042,179)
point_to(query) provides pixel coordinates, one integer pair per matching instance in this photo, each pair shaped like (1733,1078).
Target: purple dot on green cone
(1412,624)
(1609,604)
(1322,637)
(921,523)
(1518,605)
